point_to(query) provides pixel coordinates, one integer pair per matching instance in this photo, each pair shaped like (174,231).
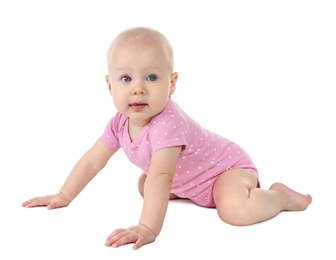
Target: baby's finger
(126,238)
(139,243)
(114,236)
(55,204)
(27,202)
(36,203)
(115,232)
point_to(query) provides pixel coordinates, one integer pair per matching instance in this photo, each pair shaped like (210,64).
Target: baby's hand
(51,202)
(140,235)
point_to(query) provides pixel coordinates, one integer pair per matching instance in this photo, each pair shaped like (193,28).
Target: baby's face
(141,81)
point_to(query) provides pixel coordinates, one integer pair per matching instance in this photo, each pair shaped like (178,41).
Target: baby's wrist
(65,197)
(149,229)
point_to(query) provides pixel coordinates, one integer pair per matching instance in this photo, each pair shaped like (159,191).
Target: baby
(179,158)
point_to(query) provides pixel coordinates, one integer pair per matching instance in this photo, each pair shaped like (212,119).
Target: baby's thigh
(233,186)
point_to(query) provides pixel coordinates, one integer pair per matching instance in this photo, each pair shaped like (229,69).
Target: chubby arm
(157,188)
(83,172)
(156,198)
(93,161)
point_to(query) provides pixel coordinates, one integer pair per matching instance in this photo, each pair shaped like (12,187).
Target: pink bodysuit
(205,155)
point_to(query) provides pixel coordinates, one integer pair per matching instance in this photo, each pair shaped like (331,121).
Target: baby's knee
(237,215)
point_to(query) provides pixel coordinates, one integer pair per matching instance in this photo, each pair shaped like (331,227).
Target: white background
(261,73)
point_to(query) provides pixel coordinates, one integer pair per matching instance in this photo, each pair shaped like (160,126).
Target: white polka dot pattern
(205,154)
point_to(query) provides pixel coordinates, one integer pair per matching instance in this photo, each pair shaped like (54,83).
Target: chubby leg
(141,186)
(239,201)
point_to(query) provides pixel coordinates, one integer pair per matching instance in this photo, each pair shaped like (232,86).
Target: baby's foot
(294,201)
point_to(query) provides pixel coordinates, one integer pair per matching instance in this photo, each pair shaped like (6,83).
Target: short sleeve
(168,130)
(110,135)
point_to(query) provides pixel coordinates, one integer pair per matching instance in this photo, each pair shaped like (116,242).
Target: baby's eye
(126,79)
(151,78)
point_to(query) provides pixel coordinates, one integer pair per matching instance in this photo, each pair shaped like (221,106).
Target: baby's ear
(173,81)
(107,78)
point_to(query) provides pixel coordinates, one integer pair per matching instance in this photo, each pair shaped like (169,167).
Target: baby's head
(140,73)
(141,38)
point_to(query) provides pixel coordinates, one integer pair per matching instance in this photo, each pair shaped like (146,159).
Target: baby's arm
(83,172)
(156,198)
(157,188)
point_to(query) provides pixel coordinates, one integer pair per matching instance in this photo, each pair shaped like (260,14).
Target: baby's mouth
(137,106)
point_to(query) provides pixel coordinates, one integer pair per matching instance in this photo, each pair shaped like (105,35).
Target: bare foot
(294,201)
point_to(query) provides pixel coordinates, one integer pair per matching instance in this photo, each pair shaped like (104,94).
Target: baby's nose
(138,89)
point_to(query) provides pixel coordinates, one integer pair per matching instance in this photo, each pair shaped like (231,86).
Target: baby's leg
(240,202)
(141,186)
(293,201)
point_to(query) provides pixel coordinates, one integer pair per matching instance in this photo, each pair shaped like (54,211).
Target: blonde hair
(142,37)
